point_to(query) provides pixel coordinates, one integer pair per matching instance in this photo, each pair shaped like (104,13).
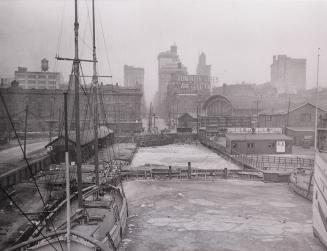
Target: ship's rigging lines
(28,166)
(88,91)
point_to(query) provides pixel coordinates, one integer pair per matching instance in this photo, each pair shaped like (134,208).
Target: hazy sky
(238,37)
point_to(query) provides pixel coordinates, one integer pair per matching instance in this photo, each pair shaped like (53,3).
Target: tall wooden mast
(76,62)
(67,173)
(96,118)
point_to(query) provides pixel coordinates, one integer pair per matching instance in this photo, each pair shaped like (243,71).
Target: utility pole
(154,120)
(258,101)
(169,119)
(25,130)
(316,121)
(115,119)
(317,103)
(50,122)
(197,121)
(288,110)
(150,118)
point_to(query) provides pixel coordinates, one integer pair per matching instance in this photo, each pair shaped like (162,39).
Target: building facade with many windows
(288,75)
(38,80)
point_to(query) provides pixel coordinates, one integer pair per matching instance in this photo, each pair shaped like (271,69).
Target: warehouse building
(258,143)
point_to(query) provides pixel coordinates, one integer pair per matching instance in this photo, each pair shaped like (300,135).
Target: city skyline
(239,38)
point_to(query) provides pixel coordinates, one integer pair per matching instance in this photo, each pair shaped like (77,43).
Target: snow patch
(281,204)
(178,156)
(202,202)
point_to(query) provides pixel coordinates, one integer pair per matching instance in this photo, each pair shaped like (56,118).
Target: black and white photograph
(163,125)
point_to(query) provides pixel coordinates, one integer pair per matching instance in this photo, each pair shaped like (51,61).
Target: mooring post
(189,169)
(225,173)
(169,172)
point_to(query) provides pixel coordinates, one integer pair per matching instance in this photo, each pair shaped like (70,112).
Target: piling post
(225,173)
(189,170)
(169,172)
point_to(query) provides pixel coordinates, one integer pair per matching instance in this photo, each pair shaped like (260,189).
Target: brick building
(134,78)
(121,107)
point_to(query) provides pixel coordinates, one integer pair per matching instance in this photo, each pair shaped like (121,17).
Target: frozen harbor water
(178,155)
(222,215)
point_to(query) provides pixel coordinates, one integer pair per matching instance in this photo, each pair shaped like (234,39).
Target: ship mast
(76,62)
(67,173)
(96,118)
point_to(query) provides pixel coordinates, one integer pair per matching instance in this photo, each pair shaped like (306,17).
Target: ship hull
(319,217)
(114,228)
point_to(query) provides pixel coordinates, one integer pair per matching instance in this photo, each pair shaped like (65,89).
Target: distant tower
(202,59)
(202,68)
(173,49)
(44,65)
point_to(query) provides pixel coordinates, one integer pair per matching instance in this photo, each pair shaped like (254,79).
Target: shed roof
(257,136)
(300,129)
(189,114)
(87,136)
(292,109)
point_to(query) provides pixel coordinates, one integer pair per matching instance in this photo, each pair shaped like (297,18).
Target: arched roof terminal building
(217,105)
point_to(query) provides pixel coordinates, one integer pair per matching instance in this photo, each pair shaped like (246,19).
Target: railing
(259,162)
(268,162)
(186,173)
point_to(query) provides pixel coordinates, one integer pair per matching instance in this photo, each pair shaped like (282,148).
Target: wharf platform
(220,214)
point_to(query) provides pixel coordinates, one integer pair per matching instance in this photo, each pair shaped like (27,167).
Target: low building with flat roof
(43,79)
(258,143)
(302,136)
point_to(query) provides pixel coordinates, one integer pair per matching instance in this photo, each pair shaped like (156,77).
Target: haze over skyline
(238,37)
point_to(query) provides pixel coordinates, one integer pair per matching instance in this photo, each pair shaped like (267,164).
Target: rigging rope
(105,43)
(26,160)
(25,215)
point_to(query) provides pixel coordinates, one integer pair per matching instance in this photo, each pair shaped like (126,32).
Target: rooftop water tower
(44,64)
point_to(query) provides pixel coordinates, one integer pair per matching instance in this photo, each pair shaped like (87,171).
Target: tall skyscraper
(202,68)
(288,75)
(169,64)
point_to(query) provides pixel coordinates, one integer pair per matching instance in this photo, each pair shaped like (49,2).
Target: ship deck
(217,215)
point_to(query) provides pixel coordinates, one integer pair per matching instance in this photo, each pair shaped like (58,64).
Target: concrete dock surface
(226,215)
